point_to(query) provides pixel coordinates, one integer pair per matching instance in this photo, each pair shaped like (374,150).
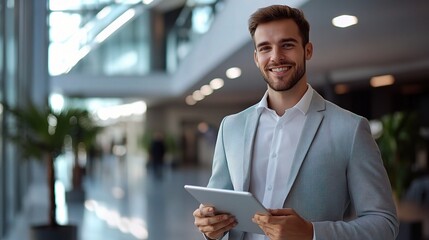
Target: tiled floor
(125,201)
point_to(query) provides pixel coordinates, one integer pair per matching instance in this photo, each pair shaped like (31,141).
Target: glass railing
(80,42)
(78,30)
(194,20)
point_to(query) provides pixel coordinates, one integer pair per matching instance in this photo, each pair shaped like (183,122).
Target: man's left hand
(284,224)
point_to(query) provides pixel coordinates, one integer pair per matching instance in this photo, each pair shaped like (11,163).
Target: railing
(194,20)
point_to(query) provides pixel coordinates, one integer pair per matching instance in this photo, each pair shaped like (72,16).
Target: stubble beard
(287,84)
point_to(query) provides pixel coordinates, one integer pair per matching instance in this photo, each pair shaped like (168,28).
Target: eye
(264,49)
(288,45)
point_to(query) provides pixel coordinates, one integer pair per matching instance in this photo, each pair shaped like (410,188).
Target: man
(307,160)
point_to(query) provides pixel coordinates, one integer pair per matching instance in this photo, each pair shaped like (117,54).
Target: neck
(280,101)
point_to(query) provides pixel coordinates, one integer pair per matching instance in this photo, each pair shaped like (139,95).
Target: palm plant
(83,134)
(40,134)
(397,145)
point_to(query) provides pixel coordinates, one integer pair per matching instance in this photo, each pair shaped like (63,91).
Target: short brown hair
(280,12)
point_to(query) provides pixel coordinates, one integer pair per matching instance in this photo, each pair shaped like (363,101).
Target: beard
(285,84)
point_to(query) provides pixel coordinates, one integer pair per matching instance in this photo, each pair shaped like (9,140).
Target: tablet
(242,205)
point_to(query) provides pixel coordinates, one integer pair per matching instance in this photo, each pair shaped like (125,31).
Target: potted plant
(40,134)
(398,142)
(83,134)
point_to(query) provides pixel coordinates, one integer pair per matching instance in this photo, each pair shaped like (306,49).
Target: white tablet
(242,205)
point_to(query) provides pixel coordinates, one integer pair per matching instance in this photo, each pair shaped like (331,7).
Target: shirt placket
(272,165)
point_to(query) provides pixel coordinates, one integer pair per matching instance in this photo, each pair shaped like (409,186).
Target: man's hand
(212,225)
(284,224)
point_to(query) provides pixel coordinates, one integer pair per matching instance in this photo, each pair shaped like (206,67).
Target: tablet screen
(242,205)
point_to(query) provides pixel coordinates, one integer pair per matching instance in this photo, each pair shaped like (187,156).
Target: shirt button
(270,188)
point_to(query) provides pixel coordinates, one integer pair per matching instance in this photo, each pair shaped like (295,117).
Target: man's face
(279,53)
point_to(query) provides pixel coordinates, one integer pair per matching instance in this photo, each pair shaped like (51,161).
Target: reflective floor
(127,201)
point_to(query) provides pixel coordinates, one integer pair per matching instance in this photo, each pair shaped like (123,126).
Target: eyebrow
(281,41)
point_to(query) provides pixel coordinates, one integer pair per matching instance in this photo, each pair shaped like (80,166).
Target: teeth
(279,69)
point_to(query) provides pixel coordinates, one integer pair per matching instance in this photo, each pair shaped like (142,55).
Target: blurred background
(129,95)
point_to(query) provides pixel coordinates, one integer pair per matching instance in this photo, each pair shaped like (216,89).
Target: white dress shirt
(275,145)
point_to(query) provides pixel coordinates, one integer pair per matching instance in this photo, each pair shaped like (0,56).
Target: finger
(197,213)
(219,227)
(206,210)
(282,212)
(268,220)
(228,227)
(203,212)
(268,230)
(208,221)
(260,218)
(220,232)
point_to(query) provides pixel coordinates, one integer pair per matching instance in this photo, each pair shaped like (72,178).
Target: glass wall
(15,72)
(99,37)
(2,181)
(124,37)
(8,72)
(194,20)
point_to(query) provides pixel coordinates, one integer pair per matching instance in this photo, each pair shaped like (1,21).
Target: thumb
(282,212)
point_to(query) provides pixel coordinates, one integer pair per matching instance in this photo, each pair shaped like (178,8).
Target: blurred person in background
(157,153)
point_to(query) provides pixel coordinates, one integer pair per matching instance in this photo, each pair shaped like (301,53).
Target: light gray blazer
(337,167)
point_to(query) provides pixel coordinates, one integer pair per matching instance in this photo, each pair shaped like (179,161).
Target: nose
(276,55)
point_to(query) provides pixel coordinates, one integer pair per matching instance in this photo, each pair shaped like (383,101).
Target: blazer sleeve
(370,194)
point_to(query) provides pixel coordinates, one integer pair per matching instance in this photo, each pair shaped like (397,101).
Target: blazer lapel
(249,137)
(314,118)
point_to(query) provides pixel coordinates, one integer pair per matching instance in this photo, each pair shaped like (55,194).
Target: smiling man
(313,164)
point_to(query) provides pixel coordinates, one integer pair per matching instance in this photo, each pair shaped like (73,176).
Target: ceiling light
(341,89)
(233,72)
(216,83)
(197,95)
(104,12)
(147,2)
(344,21)
(115,25)
(206,90)
(190,100)
(380,81)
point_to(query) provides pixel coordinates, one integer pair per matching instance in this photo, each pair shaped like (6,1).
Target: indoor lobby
(121,73)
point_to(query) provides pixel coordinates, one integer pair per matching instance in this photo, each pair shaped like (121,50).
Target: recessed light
(206,90)
(380,81)
(233,72)
(190,100)
(341,89)
(344,21)
(216,83)
(197,95)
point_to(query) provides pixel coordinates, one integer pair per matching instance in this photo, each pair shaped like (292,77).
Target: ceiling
(392,37)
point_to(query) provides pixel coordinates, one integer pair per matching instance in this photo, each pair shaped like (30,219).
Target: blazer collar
(311,125)
(249,139)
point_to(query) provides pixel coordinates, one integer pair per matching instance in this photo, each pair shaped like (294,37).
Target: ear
(308,51)
(255,58)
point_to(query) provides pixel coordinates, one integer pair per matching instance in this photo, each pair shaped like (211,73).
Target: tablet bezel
(242,205)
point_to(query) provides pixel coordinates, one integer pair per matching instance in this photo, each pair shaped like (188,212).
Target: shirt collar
(303,105)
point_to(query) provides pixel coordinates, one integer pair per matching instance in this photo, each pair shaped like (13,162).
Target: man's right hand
(213,225)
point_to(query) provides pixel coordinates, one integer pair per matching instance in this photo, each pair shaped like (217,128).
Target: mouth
(279,69)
